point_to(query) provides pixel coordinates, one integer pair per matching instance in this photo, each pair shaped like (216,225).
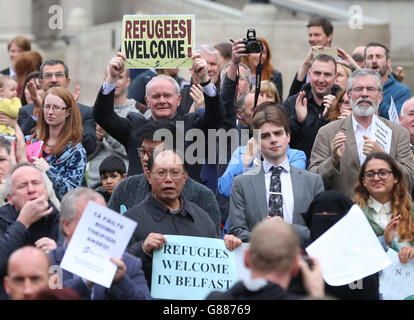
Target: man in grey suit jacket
(341,146)
(55,73)
(251,192)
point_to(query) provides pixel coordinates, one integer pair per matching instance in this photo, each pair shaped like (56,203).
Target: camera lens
(254,47)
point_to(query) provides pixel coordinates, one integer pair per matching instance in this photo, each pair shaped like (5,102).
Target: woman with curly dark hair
(382,194)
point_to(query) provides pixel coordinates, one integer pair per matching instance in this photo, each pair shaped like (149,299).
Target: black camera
(252,44)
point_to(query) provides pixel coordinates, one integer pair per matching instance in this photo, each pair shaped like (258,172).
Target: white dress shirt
(286,186)
(383,213)
(360,131)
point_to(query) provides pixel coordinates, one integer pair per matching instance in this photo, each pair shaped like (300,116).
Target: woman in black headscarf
(327,209)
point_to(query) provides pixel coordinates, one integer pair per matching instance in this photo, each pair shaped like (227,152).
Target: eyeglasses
(143,152)
(382,174)
(369,89)
(58,75)
(162,174)
(47,107)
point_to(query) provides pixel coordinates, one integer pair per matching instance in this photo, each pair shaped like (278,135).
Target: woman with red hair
(59,126)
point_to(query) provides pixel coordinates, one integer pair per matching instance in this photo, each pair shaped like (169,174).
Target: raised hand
(34,210)
(196,93)
(337,146)
(346,59)
(301,107)
(200,68)
(100,133)
(153,241)
(76,92)
(327,103)
(115,68)
(370,146)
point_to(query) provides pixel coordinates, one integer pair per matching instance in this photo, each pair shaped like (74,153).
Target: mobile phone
(333,52)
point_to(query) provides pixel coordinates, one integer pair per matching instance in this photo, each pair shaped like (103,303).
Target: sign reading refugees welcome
(189,268)
(158,41)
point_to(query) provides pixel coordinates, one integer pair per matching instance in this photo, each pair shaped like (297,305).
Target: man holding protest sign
(134,189)
(167,211)
(163,97)
(128,283)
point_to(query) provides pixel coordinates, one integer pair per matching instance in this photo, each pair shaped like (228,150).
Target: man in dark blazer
(55,73)
(341,146)
(129,282)
(163,97)
(252,192)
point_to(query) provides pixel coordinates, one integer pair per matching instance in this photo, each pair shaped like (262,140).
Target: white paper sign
(381,133)
(100,234)
(349,250)
(397,280)
(392,112)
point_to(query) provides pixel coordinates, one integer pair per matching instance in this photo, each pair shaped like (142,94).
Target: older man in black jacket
(163,97)
(29,218)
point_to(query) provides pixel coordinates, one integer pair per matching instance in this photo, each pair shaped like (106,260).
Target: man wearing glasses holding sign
(341,146)
(167,211)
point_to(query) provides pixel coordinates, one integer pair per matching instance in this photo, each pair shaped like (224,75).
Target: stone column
(77,15)
(261,9)
(16,20)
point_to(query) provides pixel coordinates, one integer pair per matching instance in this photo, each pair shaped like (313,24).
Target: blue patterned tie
(275,196)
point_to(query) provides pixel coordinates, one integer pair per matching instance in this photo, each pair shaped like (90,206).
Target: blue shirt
(399,93)
(296,158)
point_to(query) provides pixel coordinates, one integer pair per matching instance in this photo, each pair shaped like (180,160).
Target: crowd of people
(294,167)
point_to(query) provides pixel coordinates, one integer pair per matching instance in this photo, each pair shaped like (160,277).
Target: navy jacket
(133,285)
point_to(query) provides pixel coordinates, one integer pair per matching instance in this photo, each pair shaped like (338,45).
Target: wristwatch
(205,84)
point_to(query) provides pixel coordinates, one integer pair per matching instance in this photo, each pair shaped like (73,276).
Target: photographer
(273,259)
(308,110)
(252,60)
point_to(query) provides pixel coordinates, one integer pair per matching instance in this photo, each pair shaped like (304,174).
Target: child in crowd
(112,171)
(9,105)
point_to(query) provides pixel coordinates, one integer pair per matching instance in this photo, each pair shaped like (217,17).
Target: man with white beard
(341,146)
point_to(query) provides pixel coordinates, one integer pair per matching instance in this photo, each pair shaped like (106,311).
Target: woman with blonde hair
(59,126)
(382,194)
(268,91)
